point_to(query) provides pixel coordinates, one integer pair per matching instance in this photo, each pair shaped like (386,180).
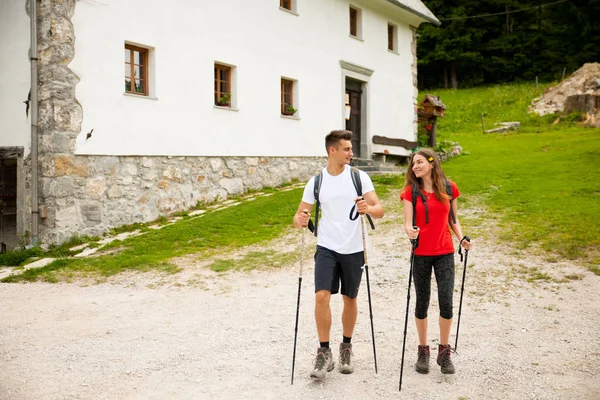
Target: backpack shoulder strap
(316,190)
(416,193)
(452,217)
(355,173)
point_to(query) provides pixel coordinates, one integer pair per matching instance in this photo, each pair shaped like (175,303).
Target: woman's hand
(466,244)
(412,232)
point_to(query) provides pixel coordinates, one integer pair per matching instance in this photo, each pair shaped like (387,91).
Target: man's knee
(322,297)
(350,301)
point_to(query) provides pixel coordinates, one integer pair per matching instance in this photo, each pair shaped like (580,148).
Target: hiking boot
(422,365)
(443,359)
(323,363)
(345,365)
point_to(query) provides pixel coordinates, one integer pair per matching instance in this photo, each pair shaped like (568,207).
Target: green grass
(263,219)
(541,183)
(15,258)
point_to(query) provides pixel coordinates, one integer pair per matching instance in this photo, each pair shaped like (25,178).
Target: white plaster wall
(15,73)
(265,43)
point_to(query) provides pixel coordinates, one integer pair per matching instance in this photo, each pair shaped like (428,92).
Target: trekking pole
(362,227)
(298,303)
(462,286)
(415,244)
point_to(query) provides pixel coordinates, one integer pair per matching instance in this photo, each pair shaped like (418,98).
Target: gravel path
(529,330)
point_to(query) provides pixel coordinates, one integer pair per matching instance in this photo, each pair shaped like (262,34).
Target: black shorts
(331,268)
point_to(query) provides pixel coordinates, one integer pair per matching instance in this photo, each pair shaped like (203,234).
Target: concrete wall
(14,74)
(264,43)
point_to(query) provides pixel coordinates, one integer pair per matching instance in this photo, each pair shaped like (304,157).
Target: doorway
(8,204)
(353,113)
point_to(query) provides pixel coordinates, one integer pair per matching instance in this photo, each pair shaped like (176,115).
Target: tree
(508,40)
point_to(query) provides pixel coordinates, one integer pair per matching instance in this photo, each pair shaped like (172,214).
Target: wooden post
(432,133)
(482,125)
(536,83)
(564,71)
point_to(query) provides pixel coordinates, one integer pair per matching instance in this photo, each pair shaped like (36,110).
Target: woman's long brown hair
(437,175)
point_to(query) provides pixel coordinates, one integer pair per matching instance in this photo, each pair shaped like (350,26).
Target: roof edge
(429,18)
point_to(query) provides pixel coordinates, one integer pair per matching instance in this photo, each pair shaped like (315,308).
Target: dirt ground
(529,330)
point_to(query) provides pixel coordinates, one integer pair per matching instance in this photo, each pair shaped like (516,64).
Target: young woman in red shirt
(435,249)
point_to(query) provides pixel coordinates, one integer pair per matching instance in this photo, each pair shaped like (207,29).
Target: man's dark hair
(334,138)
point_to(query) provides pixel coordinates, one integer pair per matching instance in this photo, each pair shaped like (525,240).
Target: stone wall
(87,195)
(414,70)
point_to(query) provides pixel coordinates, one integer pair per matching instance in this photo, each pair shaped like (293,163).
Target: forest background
(483,42)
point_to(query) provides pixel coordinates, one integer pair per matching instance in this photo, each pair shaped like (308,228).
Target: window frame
(393,36)
(145,65)
(218,93)
(355,22)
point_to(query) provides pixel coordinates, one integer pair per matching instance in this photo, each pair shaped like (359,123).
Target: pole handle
(468,239)
(415,242)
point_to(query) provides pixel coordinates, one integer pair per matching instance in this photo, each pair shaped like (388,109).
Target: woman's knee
(446,311)
(421,310)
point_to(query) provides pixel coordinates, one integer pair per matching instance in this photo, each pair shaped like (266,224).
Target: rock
(585,80)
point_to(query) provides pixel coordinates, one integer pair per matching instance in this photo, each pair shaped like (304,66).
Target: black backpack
(417,193)
(355,174)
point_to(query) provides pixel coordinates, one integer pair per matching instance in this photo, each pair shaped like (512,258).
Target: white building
(130,120)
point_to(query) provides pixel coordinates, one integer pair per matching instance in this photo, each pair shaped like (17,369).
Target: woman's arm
(408,217)
(456,228)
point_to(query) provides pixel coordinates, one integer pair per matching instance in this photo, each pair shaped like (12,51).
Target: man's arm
(370,205)
(302,215)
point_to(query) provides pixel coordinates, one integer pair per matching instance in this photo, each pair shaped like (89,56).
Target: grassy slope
(543,182)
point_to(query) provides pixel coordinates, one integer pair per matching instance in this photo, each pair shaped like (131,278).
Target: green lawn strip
(251,222)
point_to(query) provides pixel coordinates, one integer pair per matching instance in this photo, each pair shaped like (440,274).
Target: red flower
(428,127)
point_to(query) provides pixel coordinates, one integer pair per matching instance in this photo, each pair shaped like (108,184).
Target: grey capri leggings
(443,266)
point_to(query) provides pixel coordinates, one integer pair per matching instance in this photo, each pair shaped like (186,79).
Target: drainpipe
(34,122)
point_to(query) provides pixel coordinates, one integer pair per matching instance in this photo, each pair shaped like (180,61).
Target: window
(392,38)
(287,4)
(287,97)
(136,70)
(355,22)
(222,85)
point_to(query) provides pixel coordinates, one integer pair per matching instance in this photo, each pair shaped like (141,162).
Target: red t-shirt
(435,238)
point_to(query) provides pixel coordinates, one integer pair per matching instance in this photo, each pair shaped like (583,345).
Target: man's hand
(303,217)
(361,205)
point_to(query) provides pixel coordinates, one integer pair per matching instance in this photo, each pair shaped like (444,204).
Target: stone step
(361,162)
(380,169)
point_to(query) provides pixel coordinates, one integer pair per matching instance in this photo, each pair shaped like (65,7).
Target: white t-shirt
(337,194)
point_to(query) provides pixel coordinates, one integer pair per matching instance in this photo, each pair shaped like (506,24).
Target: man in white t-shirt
(339,257)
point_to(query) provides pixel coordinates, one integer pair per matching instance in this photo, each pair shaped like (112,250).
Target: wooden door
(353,124)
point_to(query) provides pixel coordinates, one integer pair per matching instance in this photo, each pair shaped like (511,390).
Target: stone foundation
(414,70)
(88,195)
